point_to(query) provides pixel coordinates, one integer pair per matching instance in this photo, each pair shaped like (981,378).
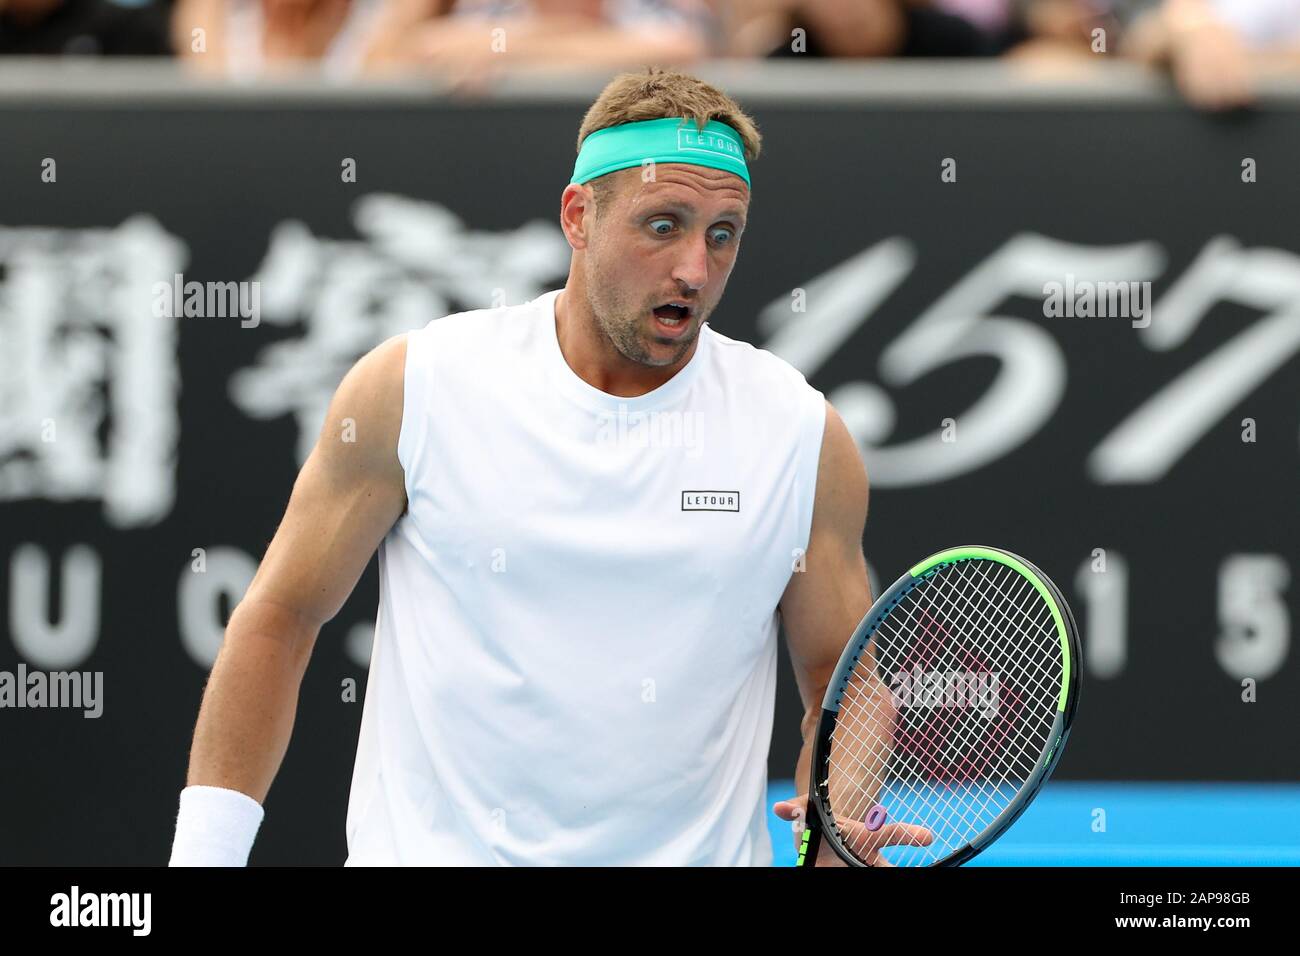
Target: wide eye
(723,234)
(656,223)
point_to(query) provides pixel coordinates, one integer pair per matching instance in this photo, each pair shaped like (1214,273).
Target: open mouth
(672,316)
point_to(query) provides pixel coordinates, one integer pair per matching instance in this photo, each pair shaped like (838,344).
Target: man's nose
(692,267)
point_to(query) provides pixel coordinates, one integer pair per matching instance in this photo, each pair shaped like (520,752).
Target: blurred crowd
(1215,50)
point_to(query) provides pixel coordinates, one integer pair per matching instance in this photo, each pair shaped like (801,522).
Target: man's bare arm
(347,496)
(822,607)
(824,603)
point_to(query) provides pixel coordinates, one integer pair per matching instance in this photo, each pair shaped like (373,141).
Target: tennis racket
(948,710)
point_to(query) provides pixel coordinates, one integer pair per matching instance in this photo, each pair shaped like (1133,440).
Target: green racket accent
(803,847)
(933,562)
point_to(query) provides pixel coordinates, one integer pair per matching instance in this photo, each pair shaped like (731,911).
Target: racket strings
(1024,671)
(961,815)
(987,789)
(986,794)
(946,719)
(948,762)
(941,799)
(855,704)
(966,815)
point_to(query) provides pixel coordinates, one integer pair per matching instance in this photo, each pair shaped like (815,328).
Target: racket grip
(811,840)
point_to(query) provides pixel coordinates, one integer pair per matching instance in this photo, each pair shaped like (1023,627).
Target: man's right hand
(865,844)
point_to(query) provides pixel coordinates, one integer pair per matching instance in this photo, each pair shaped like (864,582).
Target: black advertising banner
(1071,332)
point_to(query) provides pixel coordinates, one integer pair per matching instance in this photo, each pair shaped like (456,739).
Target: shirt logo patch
(710,500)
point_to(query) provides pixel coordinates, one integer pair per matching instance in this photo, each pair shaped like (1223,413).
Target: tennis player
(590,510)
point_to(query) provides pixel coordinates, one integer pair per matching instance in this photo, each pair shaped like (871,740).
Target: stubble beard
(623,323)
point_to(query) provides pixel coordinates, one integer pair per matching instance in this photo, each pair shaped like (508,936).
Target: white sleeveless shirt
(575,648)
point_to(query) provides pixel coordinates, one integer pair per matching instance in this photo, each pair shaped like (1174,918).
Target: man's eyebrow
(674,205)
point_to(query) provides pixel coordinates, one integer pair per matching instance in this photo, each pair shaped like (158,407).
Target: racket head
(949,708)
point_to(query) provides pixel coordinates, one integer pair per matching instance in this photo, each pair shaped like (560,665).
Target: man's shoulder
(749,363)
(476,323)
(500,327)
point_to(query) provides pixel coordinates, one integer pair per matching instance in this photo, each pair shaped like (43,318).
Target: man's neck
(595,360)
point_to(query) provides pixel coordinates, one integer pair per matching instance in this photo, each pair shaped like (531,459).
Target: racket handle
(811,841)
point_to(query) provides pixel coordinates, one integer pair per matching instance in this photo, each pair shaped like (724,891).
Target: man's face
(670,240)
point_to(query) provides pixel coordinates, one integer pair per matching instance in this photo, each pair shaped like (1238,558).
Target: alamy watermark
(976,690)
(209,300)
(133,911)
(635,429)
(77,690)
(1085,299)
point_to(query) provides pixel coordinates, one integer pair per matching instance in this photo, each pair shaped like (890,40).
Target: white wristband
(215,827)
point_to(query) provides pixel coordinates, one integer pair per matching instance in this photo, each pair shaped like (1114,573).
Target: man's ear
(577,213)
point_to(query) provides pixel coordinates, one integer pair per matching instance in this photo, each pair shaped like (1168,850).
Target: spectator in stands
(916,28)
(83,28)
(244,38)
(851,28)
(458,35)
(1216,49)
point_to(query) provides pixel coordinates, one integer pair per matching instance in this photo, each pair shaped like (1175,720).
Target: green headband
(668,140)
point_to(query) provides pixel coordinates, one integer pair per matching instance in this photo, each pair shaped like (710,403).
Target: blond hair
(658,94)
